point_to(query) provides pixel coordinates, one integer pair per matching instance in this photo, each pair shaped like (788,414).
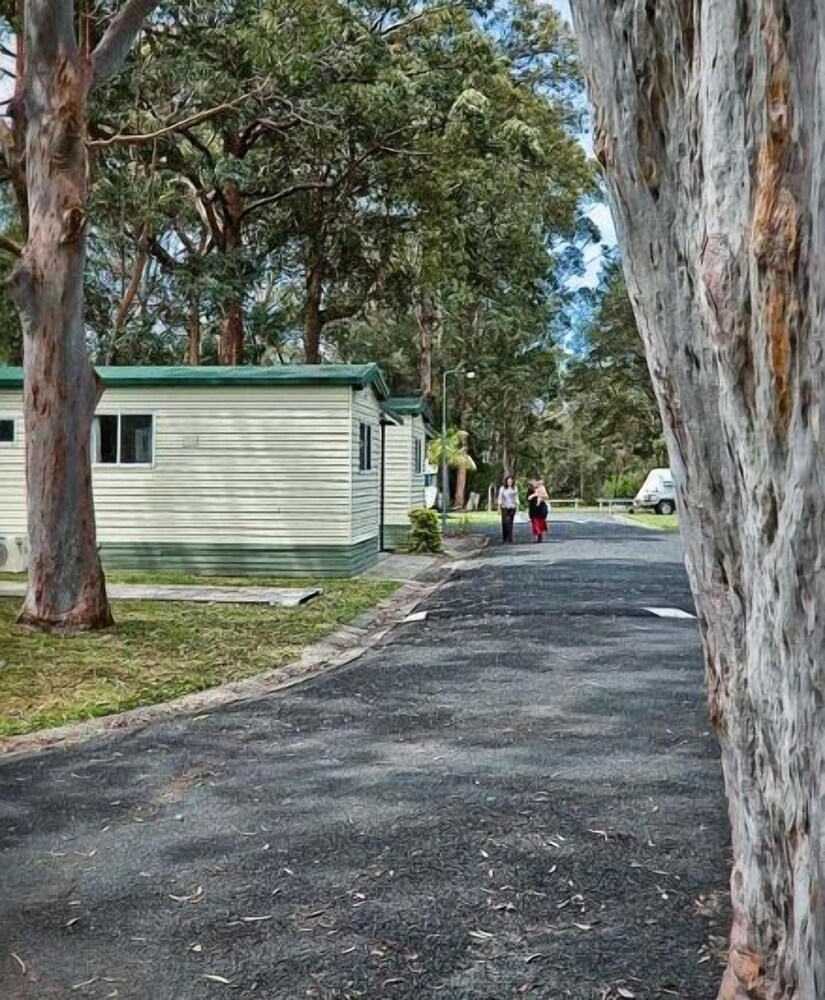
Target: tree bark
(314,322)
(461,470)
(460,501)
(231,335)
(427,320)
(193,332)
(709,126)
(66,587)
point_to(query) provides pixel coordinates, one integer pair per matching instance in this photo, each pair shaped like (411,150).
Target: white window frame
(370,453)
(12,418)
(126,465)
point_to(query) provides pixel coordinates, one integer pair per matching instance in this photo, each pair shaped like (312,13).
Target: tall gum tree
(66,587)
(709,125)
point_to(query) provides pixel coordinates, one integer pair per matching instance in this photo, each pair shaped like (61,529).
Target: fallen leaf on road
(584,927)
(20,962)
(218,979)
(193,897)
(623,992)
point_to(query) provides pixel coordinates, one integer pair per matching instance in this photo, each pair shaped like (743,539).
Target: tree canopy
(360,181)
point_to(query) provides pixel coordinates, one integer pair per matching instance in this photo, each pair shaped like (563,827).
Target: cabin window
(123,439)
(418,456)
(7,429)
(365,447)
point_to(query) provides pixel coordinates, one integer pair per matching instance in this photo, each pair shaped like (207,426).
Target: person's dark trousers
(507,518)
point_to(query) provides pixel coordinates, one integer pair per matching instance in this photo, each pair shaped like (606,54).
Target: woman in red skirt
(537,508)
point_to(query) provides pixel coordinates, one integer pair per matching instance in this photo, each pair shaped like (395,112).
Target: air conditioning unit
(14,554)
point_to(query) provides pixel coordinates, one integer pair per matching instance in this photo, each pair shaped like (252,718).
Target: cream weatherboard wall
(12,470)
(260,479)
(366,483)
(404,488)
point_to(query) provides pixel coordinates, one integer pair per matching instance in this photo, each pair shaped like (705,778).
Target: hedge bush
(425,531)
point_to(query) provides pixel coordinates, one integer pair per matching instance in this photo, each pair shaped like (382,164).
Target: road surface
(518,796)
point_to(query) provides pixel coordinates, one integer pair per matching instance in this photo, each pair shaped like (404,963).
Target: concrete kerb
(333,652)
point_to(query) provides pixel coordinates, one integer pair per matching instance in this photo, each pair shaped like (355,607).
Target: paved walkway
(285,597)
(516,797)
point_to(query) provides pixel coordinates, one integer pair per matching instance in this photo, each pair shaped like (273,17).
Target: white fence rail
(614,503)
(574,502)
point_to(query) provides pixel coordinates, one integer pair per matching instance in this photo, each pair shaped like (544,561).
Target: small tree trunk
(314,322)
(231,339)
(427,321)
(193,332)
(709,124)
(460,488)
(231,334)
(66,588)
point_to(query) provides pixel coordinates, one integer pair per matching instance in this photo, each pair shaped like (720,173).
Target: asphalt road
(517,797)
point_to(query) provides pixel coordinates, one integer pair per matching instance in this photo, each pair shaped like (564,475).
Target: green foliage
(609,434)
(624,486)
(425,531)
(455,449)
(361,174)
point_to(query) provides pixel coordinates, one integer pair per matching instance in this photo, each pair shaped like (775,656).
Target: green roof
(359,376)
(413,406)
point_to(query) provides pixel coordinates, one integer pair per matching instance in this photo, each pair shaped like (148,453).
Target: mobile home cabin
(406,465)
(273,470)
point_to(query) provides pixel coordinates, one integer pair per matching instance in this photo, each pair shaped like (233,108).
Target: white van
(657,493)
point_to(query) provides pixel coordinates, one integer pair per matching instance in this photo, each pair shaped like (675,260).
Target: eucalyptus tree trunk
(709,124)
(66,588)
(427,321)
(193,331)
(314,320)
(231,335)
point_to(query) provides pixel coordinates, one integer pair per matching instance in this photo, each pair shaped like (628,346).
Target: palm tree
(458,458)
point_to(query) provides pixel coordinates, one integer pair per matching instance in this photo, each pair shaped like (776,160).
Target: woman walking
(508,506)
(537,508)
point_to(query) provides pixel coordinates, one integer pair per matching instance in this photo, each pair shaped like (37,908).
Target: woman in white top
(508,506)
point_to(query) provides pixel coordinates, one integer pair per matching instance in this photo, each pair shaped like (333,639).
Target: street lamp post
(445,474)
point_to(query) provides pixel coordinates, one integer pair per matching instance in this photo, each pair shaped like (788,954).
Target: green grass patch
(662,522)
(161,650)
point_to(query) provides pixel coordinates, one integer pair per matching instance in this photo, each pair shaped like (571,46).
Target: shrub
(425,533)
(625,485)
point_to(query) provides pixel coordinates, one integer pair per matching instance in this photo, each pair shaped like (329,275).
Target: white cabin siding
(366,486)
(246,465)
(12,469)
(417,431)
(231,464)
(399,474)
(405,487)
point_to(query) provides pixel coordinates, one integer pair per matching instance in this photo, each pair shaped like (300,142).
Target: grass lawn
(161,650)
(663,522)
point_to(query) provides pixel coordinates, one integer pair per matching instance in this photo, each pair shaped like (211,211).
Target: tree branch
(162,255)
(141,258)
(273,199)
(181,126)
(10,246)
(117,39)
